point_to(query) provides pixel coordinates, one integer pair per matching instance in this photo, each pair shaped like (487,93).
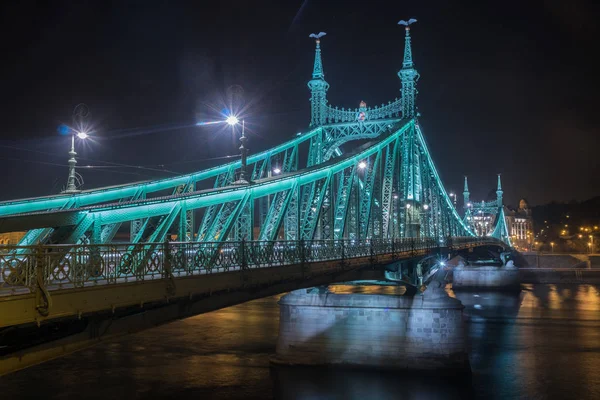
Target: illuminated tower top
(408,74)
(318,86)
(499,192)
(466,193)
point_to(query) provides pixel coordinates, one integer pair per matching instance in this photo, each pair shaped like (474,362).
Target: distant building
(520,225)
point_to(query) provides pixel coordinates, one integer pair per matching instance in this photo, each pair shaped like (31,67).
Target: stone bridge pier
(419,332)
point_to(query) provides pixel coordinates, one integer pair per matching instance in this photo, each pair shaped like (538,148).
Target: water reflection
(329,383)
(392,290)
(541,343)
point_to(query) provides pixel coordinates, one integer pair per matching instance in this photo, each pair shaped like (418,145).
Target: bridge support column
(405,332)
(486,277)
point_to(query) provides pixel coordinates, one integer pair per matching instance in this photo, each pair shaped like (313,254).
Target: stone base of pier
(421,332)
(488,277)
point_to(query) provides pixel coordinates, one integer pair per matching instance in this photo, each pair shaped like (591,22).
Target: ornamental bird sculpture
(407,23)
(317,35)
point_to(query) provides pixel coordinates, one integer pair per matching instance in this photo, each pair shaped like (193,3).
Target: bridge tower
(466,194)
(318,89)
(499,192)
(408,76)
(411,162)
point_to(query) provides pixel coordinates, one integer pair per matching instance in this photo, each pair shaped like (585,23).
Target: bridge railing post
(343,253)
(167,271)
(243,259)
(301,253)
(42,297)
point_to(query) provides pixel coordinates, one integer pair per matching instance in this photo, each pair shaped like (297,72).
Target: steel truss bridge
(327,212)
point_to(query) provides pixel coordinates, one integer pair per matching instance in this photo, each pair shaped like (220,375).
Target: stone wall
(552,261)
(421,332)
(486,277)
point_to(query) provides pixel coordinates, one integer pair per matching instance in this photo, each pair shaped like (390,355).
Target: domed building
(482,218)
(520,225)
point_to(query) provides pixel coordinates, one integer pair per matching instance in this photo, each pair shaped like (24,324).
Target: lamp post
(552,246)
(591,244)
(453,197)
(233,120)
(72,179)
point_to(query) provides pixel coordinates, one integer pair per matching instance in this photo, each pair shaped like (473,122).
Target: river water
(541,344)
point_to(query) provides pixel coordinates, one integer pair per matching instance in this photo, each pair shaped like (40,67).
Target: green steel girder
(341,201)
(338,134)
(211,212)
(276,212)
(310,215)
(387,190)
(309,186)
(158,206)
(500,231)
(367,195)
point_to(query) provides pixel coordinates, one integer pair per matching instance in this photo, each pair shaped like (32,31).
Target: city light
(362,165)
(425,207)
(82,135)
(232,120)
(408,205)
(276,171)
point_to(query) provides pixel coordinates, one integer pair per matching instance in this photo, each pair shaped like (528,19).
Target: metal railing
(26,269)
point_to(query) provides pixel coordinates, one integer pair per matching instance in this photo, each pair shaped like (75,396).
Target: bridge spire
(466,193)
(499,192)
(318,86)
(408,74)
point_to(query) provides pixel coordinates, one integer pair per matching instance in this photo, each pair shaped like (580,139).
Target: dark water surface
(541,344)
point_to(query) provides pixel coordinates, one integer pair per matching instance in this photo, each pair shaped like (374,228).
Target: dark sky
(507,87)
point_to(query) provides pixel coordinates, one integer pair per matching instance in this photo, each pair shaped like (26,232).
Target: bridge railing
(26,269)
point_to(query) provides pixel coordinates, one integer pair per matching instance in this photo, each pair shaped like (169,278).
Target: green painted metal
(345,179)
(399,194)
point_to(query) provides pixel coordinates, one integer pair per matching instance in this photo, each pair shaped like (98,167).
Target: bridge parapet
(33,269)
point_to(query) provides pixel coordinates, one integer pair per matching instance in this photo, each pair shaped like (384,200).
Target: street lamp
(72,179)
(453,196)
(591,243)
(362,165)
(233,120)
(276,170)
(552,246)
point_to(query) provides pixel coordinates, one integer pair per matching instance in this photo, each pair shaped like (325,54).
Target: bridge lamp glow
(362,165)
(232,120)
(425,207)
(442,264)
(83,135)
(408,206)
(276,171)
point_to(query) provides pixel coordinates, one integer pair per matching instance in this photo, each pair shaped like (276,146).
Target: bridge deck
(73,281)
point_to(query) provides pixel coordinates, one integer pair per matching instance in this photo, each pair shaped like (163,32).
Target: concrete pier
(421,332)
(488,277)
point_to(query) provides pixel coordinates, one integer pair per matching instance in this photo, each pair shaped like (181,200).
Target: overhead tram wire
(65,166)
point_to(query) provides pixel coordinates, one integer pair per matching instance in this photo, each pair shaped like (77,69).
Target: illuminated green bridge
(326,216)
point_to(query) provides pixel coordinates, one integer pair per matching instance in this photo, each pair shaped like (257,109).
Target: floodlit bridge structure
(328,216)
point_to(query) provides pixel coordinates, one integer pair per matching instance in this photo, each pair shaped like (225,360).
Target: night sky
(506,87)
